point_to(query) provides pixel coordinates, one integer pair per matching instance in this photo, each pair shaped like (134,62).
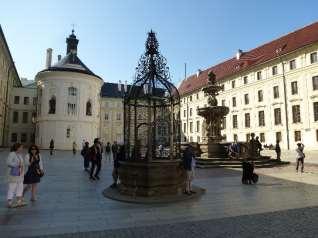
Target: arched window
(72,91)
(88,108)
(52,105)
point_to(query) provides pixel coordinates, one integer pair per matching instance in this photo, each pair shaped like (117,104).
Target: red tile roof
(288,43)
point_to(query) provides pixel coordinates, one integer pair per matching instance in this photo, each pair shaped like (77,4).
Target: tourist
(277,150)
(96,159)
(300,156)
(234,150)
(108,152)
(15,165)
(86,153)
(83,143)
(120,156)
(160,149)
(248,175)
(34,172)
(114,150)
(188,156)
(51,146)
(74,147)
(258,146)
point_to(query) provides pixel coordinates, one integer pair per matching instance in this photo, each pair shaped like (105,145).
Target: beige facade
(256,99)
(112,121)
(8,79)
(22,115)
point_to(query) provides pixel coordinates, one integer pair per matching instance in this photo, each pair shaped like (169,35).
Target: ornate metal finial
(152,44)
(73,25)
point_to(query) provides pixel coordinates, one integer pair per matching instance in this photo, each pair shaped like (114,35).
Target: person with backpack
(108,152)
(86,153)
(96,159)
(300,156)
(120,156)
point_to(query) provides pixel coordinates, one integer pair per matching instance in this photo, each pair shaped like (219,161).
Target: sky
(112,33)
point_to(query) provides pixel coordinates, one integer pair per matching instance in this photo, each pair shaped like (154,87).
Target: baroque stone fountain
(213,117)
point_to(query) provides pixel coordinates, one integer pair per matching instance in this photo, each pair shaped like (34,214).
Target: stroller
(248,176)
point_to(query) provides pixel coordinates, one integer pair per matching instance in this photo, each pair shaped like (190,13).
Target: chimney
(119,85)
(199,72)
(59,57)
(48,58)
(125,86)
(238,54)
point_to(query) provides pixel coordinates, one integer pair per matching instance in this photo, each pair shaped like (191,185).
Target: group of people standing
(24,173)
(93,156)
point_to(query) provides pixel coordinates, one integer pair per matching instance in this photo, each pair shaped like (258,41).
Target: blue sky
(112,32)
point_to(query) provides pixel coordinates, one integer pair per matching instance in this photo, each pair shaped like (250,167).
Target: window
(191,139)
(261,118)
(52,105)
(191,98)
(34,100)
(235,137)
(72,91)
(315,82)
(198,139)
(190,112)
(315,111)
(223,126)
(14,137)
(15,117)
(234,101)
(246,99)
(296,113)
(262,137)
(259,75)
(191,127)
(276,91)
(184,127)
(294,88)
(297,135)
(278,136)
(248,137)
(71,109)
(88,108)
(223,102)
(106,117)
(68,133)
(198,126)
(118,116)
(233,84)
(25,116)
(234,121)
(245,80)
(184,113)
(292,64)
(197,96)
(23,137)
(277,116)
(313,57)
(26,100)
(316,135)
(274,70)
(247,120)
(260,95)
(16,99)
(222,89)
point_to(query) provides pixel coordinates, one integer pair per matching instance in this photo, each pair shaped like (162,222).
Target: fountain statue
(213,117)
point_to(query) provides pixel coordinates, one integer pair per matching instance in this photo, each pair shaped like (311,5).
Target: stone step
(269,164)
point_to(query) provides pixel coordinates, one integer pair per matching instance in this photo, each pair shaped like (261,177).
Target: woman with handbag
(16,167)
(34,172)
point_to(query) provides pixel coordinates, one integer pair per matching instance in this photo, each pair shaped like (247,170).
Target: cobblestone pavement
(290,155)
(69,203)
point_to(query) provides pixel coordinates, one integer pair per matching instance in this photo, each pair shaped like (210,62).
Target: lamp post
(278,53)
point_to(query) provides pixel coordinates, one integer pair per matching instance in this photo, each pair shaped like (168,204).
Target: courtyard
(282,204)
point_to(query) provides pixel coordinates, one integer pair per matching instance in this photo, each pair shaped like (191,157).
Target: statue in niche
(88,108)
(52,105)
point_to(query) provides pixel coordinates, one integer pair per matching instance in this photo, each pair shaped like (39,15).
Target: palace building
(271,91)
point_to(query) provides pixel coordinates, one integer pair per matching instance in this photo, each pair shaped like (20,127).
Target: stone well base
(151,179)
(213,150)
